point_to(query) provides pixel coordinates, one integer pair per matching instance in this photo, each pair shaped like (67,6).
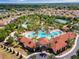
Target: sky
(38,1)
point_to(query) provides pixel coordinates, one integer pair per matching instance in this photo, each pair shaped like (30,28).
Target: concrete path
(40,57)
(11,35)
(37,55)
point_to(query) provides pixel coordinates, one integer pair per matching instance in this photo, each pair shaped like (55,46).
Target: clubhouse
(57,44)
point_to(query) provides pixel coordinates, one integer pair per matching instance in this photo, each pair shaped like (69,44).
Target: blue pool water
(30,34)
(43,34)
(55,33)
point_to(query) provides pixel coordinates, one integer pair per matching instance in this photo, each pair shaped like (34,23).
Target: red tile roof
(59,45)
(43,41)
(59,42)
(27,42)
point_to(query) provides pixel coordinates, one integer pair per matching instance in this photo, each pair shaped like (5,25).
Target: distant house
(3,10)
(59,43)
(27,42)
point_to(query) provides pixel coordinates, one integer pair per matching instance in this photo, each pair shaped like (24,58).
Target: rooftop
(57,43)
(27,42)
(43,41)
(60,41)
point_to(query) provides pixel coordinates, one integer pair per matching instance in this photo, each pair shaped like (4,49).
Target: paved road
(39,57)
(72,53)
(44,55)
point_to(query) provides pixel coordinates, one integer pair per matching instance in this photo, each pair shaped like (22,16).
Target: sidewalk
(37,54)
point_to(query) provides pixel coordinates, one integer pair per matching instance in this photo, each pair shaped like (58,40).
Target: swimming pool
(55,33)
(43,34)
(30,34)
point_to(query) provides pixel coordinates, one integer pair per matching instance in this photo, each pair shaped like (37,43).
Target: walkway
(11,35)
(37,53)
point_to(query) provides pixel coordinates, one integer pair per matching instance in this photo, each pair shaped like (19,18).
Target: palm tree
(4,47)
(17,54)
(10,50)
(1,46)
(7,49)
(52,56)
(13,52)
(77,52)
(74,57)
(20,57)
